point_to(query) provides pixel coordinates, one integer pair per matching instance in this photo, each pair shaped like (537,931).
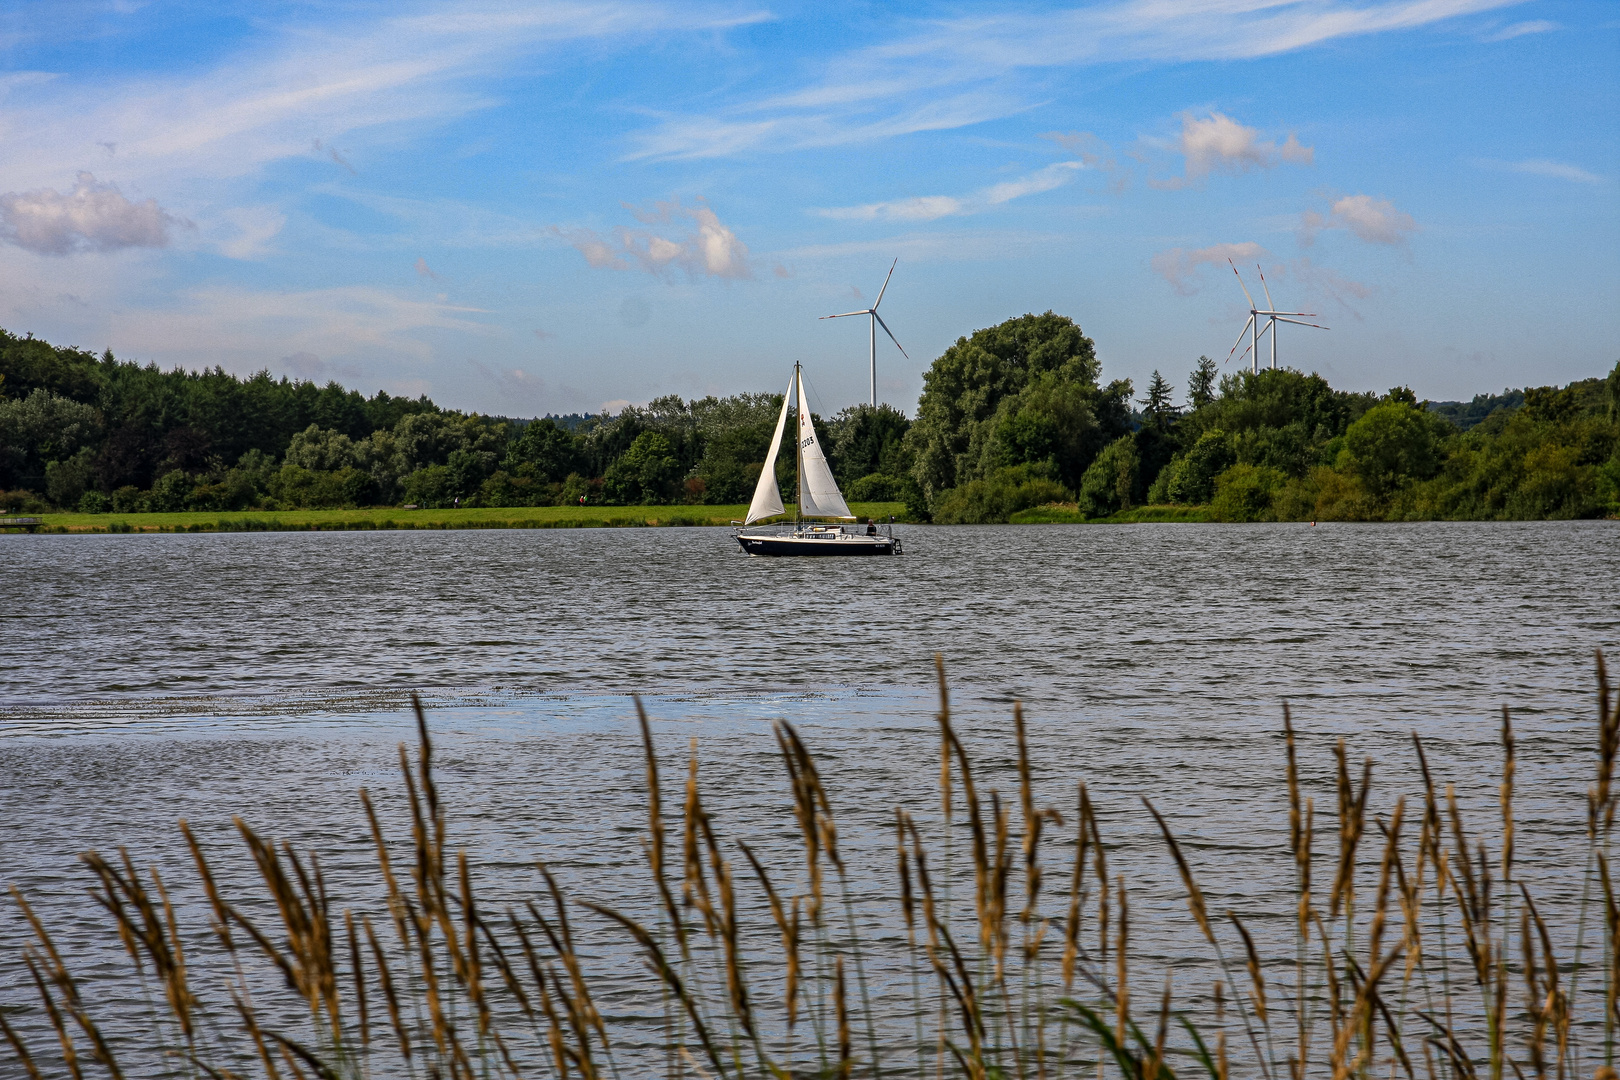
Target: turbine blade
(1239,341)
(1296,322)
(881,291)
(1245,288)
(892,338)
(1264,286)
(1262,333)
(846,314)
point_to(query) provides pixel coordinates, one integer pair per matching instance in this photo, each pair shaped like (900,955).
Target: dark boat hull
(820,547)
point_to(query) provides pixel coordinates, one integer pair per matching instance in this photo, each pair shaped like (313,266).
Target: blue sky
(537,207)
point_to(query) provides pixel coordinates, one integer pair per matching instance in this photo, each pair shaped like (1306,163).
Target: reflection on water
(146,678)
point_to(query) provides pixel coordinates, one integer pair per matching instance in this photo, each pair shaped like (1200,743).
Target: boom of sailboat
(818,516)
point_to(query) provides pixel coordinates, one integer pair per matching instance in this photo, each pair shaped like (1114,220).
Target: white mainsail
(818,491)
(767,496)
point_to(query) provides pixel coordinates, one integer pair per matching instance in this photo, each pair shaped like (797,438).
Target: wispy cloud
(424,270)
(248,230)
(344,321)
(1375,221)
(1217,143)
(709,249)
(933,207)
(1558,170)
(1534,26)
(92,217)
(199,131)
(964,70)
(1179,266)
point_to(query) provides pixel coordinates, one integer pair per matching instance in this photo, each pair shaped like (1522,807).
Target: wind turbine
(877,321)
(1273,317)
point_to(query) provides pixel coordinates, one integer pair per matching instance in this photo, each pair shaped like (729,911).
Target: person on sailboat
(871,527)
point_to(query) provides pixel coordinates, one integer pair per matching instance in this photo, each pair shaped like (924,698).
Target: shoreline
(394,518)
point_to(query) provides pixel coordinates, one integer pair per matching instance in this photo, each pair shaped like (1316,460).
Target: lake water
(146,678)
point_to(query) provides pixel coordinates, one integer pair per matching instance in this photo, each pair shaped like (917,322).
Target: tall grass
(778,963)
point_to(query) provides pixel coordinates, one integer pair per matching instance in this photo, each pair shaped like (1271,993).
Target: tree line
(97,434)
(1011,417)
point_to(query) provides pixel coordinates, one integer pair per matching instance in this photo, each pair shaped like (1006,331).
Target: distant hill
(1465,414)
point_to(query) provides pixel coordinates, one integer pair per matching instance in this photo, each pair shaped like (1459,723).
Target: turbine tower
(877,321)
(1272,316)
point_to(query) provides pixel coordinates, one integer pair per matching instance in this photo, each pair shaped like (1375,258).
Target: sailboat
(819,500)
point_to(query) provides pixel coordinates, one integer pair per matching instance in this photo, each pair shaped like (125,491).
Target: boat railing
(818,531)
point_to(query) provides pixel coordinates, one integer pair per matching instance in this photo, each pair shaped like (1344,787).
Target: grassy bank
(1069,514)
(508,517)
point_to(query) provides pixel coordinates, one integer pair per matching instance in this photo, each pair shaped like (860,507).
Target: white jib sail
(819,494)
(767,496)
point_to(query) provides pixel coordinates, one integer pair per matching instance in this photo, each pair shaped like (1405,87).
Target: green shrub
(1244,493)
(65,481)
(875,488)
(1109,485)
(94,502)
(994,500)
(431,487)
(170,493)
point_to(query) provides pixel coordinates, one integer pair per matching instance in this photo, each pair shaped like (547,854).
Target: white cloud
(1217,143)
(92,217)
(1534,26)
(1375,221)
(1558,170)
(710,249)
(933,207)
(424,270)
(1179,266)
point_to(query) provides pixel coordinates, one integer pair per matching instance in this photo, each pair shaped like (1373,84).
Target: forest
(1012,417)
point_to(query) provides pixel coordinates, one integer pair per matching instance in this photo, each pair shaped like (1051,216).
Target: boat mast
(798,444)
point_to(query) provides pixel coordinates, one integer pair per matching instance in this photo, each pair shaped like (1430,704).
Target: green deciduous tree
(646,473)
(961,413)
(549,452)
(322,449)
(1393,443)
